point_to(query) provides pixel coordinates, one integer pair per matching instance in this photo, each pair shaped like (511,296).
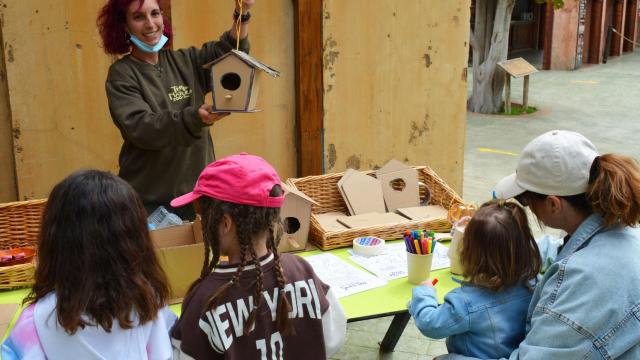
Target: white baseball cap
(555,163)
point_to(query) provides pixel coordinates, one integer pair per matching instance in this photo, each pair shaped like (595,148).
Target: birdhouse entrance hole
(230,81)
(291,225)
(397,184)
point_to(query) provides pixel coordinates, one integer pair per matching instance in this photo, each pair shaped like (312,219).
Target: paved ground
(602,102)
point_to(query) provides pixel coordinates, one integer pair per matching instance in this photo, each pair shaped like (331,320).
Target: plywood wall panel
(58,107)
(395,84)
(271,132)
(8,188)
(55,77)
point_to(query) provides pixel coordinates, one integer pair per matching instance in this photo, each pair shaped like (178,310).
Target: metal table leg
(394,332)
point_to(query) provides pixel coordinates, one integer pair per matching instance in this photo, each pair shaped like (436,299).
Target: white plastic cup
(454,249)
(419,267)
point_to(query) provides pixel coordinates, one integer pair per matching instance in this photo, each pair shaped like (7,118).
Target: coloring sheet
(392,264)
(343,278)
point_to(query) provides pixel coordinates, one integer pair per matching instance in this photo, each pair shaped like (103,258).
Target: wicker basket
(19,227)
(324,190)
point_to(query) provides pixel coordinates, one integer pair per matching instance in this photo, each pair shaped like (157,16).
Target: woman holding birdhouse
(156,97)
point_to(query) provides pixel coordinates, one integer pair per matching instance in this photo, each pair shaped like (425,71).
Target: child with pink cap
(261,304)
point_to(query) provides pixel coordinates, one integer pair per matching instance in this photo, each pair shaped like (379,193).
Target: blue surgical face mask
(148,48)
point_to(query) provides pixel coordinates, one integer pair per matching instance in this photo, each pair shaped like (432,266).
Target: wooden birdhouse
(234,78)
(295,214)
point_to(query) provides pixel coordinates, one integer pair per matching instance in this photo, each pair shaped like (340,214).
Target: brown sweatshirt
(166,145)
(316,316)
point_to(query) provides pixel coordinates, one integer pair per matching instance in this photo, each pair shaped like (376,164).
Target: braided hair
(250,221)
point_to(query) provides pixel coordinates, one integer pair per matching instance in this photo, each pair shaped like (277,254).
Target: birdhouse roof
(247,60)
(289,189)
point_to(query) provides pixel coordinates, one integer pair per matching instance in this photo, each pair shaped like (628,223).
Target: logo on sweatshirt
(180,92)
(225,323)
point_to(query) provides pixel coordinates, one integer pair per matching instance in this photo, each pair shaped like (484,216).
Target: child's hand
(430,283)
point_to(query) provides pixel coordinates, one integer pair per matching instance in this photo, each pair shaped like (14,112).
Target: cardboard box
(180,251)
(295,214)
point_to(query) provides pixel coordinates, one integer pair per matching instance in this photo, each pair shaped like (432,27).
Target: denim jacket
(587,305)
(477,321)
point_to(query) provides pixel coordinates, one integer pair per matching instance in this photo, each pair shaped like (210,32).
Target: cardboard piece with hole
(371,219)
(329,221)
(363,193)
(180,251)
(295,214)
(424,212)
(347,174)
(399,185)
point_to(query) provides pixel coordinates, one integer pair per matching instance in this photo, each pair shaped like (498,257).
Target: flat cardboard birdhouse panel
(295,214)
(363,193)
(399,185)
(371,219)
(424,212)
(235,81)
(341,182)
(329,221)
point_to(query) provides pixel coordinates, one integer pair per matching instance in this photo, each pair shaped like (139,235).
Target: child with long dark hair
(261,304)
(99,291)
(485,317)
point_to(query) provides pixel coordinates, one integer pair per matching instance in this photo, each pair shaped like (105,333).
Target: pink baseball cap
(240,179)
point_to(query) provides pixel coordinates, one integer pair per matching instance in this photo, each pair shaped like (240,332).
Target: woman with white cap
(587,304)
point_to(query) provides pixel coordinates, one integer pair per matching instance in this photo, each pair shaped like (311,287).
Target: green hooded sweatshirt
(166,144)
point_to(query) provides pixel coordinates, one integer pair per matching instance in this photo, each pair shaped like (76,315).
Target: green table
(390,300)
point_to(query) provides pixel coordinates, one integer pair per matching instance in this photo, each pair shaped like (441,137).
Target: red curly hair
(111,22)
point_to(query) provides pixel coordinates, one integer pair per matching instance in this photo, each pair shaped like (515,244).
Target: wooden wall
(8,190)
(55,78)
(395,80)
(394,87)
(57,111)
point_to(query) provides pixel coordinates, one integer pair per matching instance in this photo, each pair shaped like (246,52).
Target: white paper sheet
(392,264)
(343,278)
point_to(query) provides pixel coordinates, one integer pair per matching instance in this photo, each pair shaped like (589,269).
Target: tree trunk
(490,42)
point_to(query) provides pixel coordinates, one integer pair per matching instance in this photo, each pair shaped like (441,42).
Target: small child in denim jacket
(485,317)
